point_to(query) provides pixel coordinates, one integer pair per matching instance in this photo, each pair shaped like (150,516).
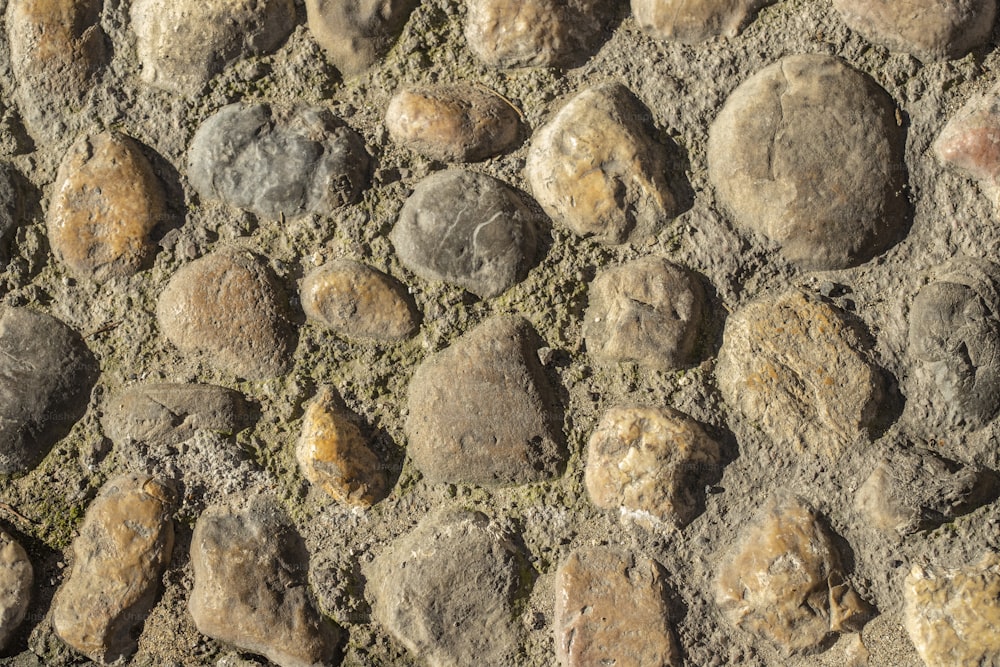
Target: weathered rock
(356,34)
(535,33)
(650,463)
(929,30)
(954,339)
(334,455)
(356,301)
(808,153)
(276,162)
(915,489)
(595,167)
(16,579)
(46,374)
(453,123)
(229,309)
(795,367)
(11,210)
(480,412)
(119,557)
(611,610)
(251,586)
(447,590)
(952,616)
(467,229)
(783,581)
(970,141)
(164,414)
(693,21)
(182,44)
(105,205)
(649,311)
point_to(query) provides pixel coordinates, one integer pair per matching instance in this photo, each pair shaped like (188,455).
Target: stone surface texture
(11,209)
(693,21)
(16,579)
(357,33)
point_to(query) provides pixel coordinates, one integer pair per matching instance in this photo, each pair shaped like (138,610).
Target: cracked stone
(970,142)
(16,579)
(807,152)
(693,21)
(596,169)
(356,34)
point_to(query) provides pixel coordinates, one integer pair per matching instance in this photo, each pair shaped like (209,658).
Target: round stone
(970,141)
(16,579)
(693,21)
(807,153)
(357,34)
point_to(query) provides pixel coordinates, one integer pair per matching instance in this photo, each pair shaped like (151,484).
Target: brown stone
(970,141)
(16,579)
(693,21)
(356,34)
(611,610)
(107,201)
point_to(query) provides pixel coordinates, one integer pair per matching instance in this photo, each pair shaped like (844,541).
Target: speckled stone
(611,610)
(480,411)
(952,616)
(467,229)
(797,368)
(447,591)
(251,586)
(693,21)
(119,557)
(786,165)
(649,311)
(278,162)
(354,300)
(228,309)
(649,463)
(596,168)
(182,44)
(970,142)
(783,580)
(16,579)
(356,34)
(105,205)
(928,30)
(453,123)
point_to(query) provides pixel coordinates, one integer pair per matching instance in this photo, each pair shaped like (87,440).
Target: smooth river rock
(693,21)
(17,576)
(356,34)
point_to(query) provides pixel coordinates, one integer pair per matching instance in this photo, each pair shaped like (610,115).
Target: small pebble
(16,579)
(693,21)
(356,35)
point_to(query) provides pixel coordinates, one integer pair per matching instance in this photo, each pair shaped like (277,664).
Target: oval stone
(356,34)
(693,21)
(16,579)
(970,141)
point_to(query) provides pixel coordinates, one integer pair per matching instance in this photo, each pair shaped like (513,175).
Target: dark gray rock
(11,209)
(16,579)
(468,229)
(276,162)
(357,33)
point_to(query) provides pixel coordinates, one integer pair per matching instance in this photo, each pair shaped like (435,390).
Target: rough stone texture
(124,545)
(929,30)
(915,489)
(251,586)
(787,163)
(357,33)
(467,229)
(611,610)
(276,162)
(970,141)
(334,455)
(107,201)
(952,616)
(163,413)
(182,44)
(595,167)
(446,591)
(693,21)
(229,309)
(479,411)
(453,123)
(797,368)
(783,581)
(46,374)
(355,300)
(16,579)
(649,311)
(954,340)
(11,210)
(650,463)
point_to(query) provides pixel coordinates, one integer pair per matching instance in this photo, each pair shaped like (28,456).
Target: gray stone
(467,229)
(182,44)
(970,141)
(124,546)
(11,210)
(46,374)
(649,311)
(807,152)
(447,591)
(929,30)
(229,309)
(356,34)
(480,411)
(251,586)
(16,579)
(165,414)
(276,162)
(596,168)
(611,609)
(693,21)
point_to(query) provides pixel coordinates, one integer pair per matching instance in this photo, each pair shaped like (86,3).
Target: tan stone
(16,579)
(611,610)
(953,616)
(692,21)
(107,201)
